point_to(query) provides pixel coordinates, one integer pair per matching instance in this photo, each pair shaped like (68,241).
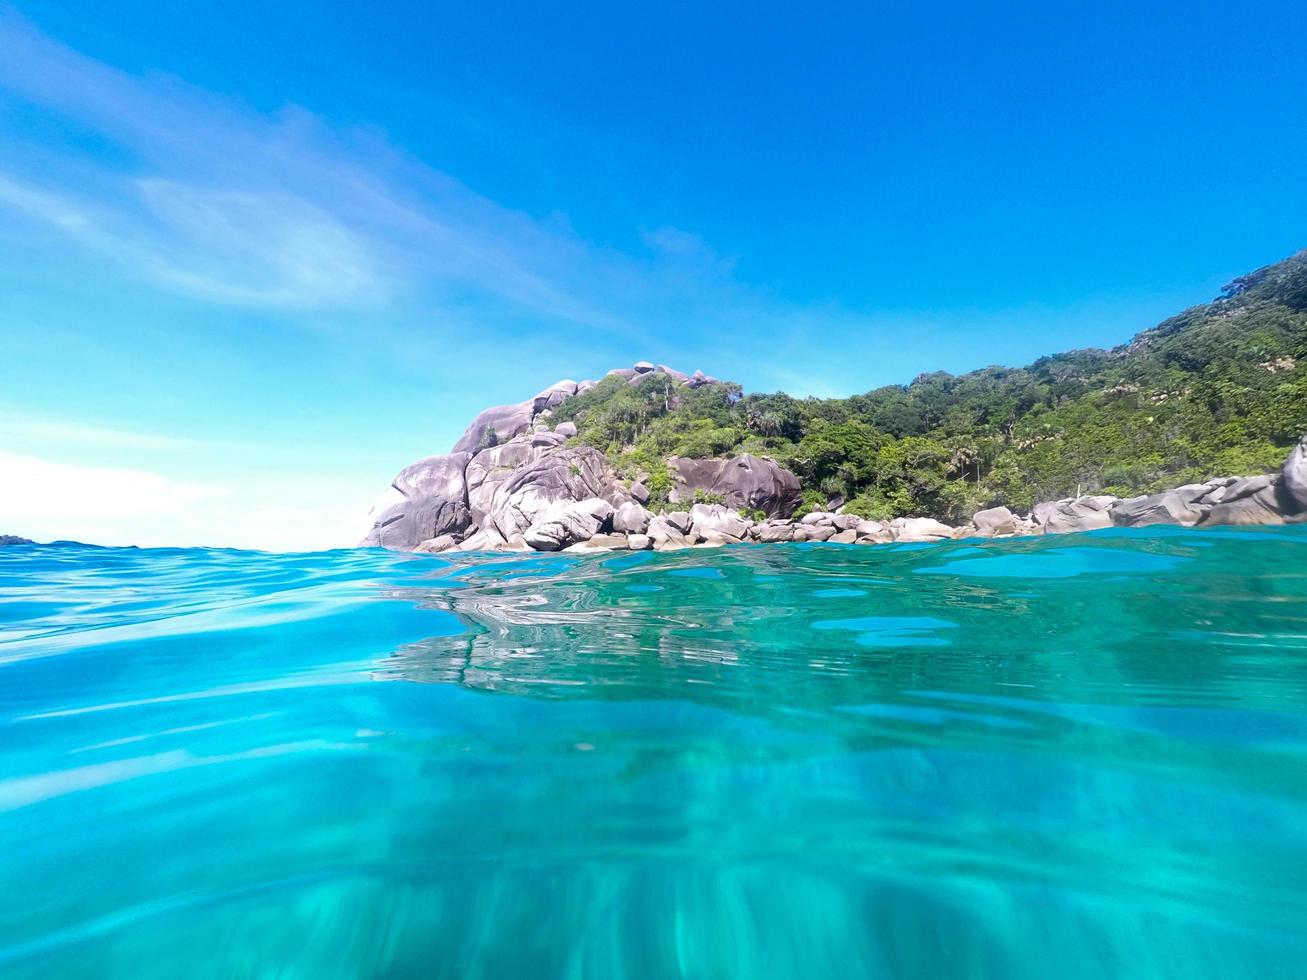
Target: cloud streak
(230,206)
(82,435)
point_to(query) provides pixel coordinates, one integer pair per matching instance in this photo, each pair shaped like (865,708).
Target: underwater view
(1072,756)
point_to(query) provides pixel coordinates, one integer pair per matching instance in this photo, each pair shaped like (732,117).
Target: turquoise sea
(1075,756)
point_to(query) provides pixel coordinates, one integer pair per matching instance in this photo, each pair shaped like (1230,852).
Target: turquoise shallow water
(1078,756)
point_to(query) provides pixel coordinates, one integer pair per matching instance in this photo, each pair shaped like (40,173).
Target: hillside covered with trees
(1218,389)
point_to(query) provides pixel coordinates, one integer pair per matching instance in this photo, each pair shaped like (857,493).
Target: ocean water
(1076,756)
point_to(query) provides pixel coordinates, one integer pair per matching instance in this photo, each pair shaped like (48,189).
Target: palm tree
(765,423)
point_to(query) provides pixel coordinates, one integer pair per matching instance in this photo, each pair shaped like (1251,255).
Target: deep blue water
(1075,756)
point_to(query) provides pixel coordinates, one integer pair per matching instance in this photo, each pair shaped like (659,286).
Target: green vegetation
(488,439)
(1219,389)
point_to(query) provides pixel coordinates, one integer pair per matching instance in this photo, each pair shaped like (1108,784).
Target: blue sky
(252,261)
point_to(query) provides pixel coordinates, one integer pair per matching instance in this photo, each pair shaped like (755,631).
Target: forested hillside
(1216,390)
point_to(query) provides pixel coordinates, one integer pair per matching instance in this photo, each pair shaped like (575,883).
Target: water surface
(1076,756)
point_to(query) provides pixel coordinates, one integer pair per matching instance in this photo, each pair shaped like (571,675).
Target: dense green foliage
(1219,389)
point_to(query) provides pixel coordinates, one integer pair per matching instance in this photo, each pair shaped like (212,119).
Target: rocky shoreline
(514,482)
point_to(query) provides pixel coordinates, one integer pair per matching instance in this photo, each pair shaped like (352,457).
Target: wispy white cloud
(258,248)
(51,208)
(231,246)
(233,206)
(230,205)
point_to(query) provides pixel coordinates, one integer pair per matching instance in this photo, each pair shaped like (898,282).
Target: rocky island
(531,488)
(652,457)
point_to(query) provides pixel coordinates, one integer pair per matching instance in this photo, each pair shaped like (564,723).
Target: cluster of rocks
(641,371)
(1273,498)
(596,525)
(513,482)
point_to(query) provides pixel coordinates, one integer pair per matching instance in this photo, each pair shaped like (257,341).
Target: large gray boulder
(495,425)
(1248,500)
(1232,487)
(424,501)
(546,439)
(490,468)
(710,521)
(742,481)
(873,532)
(632,518)
(553,396)
(666,535)
(564,474)
(435,545)
(770,532)
(1074,514)
(819,517)
(569,523)
(500,460)
(814,532)
(679,519)
(1158,508)
(919,529)
(602,542)
(1193,493)
(486,539)
(1293,480)
(995,521)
